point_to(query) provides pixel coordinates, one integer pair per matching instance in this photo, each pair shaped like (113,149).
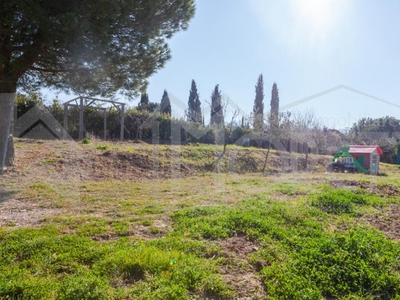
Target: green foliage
(302,260)
(217,113)
(165,105)
(194,105)
(379,131)
(338,201)
(258,108)
(103,147)
(85,141)
(73,41)
(274,118)
(25,102)
(38,263)
(360,263)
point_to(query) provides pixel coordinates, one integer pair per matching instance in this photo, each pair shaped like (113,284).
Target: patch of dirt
(348,183)
(388,222)
(135,167)
(382,190)
(22,214)
(238,272)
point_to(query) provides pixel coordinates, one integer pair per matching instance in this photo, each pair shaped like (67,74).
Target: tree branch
(53,70)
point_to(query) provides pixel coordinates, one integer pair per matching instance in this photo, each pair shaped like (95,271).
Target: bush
(85,141)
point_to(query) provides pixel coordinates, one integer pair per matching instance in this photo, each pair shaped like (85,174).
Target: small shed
(368,156)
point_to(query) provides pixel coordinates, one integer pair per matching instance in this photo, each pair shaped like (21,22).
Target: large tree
(94,47)
(274,113)
(144,99)
(194,105)
(217,114)
(165,105)
(258,109)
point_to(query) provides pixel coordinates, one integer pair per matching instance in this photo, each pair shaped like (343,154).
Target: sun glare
(319,15)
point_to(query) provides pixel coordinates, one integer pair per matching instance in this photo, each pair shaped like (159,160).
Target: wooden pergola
(86,102)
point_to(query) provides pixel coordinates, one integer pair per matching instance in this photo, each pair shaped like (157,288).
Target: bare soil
(238,272)
(381,190)
(388,222)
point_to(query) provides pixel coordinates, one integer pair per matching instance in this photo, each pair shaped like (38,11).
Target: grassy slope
(312,234)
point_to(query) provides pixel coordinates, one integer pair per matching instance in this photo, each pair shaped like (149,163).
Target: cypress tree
(197,109)
(165,106)
(217,114)
(144,99)
(274,106)
(144,102)
(194,104)
(258,108)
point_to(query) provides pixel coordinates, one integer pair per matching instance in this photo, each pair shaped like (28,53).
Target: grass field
(201,235)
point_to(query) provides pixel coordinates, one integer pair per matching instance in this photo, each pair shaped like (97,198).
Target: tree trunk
(6,110)
(306,163)
(10,145)
(10,152)
(266,157)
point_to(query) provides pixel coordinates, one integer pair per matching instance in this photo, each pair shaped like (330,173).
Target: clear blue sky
(305,46)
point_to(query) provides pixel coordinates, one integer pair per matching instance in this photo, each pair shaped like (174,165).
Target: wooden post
(122,121)
(65,121)
(105,123)
(81,118)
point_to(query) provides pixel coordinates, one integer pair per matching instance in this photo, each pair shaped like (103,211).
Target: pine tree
(88,47)
(165,106)
(194,104)
(258,108)
(274,118)
(217,114)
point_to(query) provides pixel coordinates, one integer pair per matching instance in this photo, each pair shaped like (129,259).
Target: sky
(348,49)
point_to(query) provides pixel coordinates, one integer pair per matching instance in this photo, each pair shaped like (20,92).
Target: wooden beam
(90,103)
(69,101)
(85,106)
(101,100)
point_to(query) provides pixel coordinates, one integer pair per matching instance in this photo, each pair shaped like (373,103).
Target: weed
(103,147)
(49,160)
(344,201)
(85,141)
(147,222)
(154,230)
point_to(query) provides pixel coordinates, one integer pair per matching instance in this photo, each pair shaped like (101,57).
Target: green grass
(304,261)
(103,147)
(162,239)
(338,201)
(41,264)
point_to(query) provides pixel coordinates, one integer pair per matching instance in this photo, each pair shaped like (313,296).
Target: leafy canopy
(90,46)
